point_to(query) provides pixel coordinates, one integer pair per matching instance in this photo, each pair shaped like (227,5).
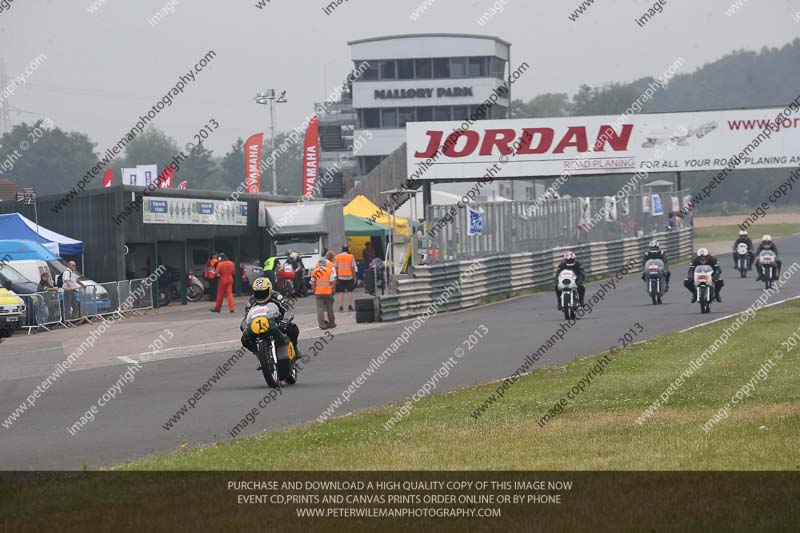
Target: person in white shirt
(70,284)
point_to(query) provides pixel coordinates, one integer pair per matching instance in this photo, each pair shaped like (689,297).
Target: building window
(424,114)
(405,69)
(497,68)
(368,163)
(388,118)
(458,67)
(406,115)
(371,118)
(460,113)
(441,113)
(498,111)
(477,67)
(441,68)
(371,71)
(423,68)
(388,70)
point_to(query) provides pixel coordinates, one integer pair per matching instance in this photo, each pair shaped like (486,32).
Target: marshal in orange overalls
(226,270)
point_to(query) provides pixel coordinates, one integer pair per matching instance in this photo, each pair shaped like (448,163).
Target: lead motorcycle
(742,259)
(704,286)
(654,269)
(567,284)
(275,352)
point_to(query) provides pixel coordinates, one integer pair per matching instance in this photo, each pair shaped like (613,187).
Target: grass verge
(598,431)
(730,233)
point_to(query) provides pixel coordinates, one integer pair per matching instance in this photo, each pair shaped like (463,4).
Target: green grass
(731,233)
(596,432)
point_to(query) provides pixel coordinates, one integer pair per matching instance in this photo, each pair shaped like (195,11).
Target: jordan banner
(311,158)
(252,163)
(663,142)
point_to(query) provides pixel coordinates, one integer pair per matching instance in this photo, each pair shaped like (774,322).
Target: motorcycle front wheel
(269,363)
(194,293)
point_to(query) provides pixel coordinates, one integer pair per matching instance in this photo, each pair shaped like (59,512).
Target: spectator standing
(270,266)
(210,275)
(346,271)
(71,285)
(45,285)
(323,279)
(225,271)
(368,254)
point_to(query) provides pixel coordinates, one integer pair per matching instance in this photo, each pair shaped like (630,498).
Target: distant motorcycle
(767,261)
(287,282)
(704,286)
(654,269)
(567,284)
(275,351)
(742,259)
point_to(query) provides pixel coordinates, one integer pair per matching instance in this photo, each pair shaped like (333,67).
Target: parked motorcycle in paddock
(567,284)
(194,288)
(742,259)
(274,350)
(767,261)
(654,269)
(169,288)
(704,286)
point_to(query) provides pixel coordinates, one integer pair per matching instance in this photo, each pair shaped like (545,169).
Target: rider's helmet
(766,241)
(569,258)
(262,290)
(703,255)
(743,233)
(655,246)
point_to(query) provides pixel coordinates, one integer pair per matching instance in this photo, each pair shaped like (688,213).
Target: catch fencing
(45,310)
(504,275)
(526,227)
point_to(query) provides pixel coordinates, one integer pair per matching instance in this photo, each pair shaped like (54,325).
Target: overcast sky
(105,69)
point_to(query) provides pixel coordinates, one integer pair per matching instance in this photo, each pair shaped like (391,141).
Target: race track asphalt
(131,426)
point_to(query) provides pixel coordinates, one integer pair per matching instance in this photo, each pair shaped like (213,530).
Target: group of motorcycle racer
(263,293)
(703,258)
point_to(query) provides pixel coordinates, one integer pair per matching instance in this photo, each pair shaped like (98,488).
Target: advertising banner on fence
(194,211)
(623,144)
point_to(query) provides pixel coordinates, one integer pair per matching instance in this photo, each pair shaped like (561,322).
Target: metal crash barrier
(42,311)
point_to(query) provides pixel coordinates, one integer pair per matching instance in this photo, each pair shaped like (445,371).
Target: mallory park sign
(441,92)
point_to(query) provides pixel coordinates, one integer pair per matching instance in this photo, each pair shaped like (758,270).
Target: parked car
(19,283)
(12,309)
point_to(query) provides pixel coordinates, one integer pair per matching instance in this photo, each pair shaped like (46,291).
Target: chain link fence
(455,233)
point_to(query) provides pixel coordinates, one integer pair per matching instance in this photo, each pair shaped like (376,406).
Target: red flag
(182,185)
(311,158)
(165,179)
(252,163)
(108,178)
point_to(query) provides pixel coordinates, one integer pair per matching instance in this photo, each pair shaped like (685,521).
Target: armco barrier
(506,275)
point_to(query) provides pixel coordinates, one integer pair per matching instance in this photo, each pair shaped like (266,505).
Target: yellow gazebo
(360,206)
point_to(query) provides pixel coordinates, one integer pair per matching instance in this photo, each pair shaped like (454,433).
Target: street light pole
(268,98)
